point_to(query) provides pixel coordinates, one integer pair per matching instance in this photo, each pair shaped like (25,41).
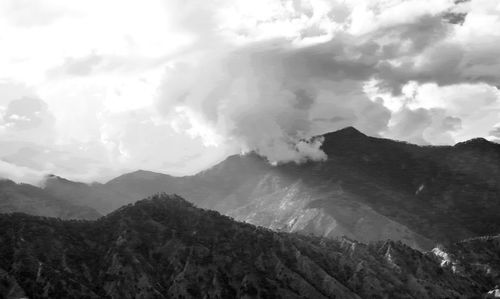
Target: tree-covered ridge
(164,247)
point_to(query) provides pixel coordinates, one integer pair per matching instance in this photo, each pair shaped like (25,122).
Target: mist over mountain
(164,247)
(367,189)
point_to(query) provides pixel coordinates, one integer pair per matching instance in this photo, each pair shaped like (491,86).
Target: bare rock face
(475,258)
(164,247)
(295,207)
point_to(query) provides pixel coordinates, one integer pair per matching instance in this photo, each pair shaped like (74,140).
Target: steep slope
(35,201)
(373,188)
(249,189)
(446,193)
(164,247)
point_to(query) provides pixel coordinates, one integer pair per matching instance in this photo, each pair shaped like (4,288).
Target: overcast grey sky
(90,89)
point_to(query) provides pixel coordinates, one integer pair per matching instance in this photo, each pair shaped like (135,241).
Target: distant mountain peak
(52,180)
(347,132)
(142,171)
(477,143)
(140,174)
(50,176)
(346,137)
(350,130)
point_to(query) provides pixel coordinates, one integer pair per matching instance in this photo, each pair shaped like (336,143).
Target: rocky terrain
(368,189)
(477,258)
(164,247)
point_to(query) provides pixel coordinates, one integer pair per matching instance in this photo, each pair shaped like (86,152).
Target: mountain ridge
(37,201)
(165,247)
(369,188)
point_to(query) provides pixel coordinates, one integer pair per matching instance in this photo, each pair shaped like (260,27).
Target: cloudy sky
(91,89)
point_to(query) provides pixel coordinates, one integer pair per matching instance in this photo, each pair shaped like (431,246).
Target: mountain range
(33,200)
(377,219)
(368,189)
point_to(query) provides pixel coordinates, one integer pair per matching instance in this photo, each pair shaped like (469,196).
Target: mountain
(368,189)
(442,192)
(164,247)
(36,201)
(93,195)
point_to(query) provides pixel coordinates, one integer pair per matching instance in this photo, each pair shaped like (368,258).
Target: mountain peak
(166,200)
(144,173)
(139,174)
(350,130)
(346,138)
(347,132)
(156,202)
(480,143)
(52,180)
(54,177)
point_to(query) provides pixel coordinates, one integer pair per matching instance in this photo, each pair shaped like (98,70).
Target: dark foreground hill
(164,247)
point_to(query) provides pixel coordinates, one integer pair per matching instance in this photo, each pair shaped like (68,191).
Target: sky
(92,89)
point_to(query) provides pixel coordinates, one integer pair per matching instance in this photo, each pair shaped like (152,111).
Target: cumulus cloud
(265,97)
(424,126)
